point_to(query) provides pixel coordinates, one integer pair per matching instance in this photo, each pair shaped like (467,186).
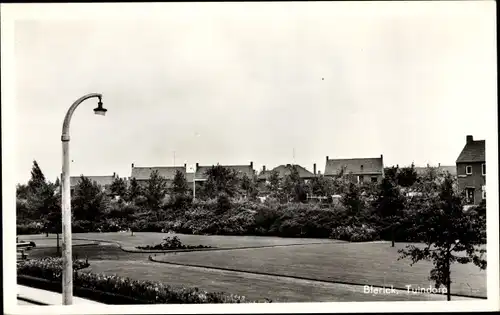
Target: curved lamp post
(67,268)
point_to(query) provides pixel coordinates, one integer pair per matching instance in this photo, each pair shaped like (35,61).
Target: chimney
(251,165)
(427,164)
(114,174)
(439,164)
(327,158)
(469,139)
(264,168)
(132,165)
(184,165)
(196,168)
(314,168)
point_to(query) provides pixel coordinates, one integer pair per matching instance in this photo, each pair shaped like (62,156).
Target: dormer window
(468,170)
(483,169)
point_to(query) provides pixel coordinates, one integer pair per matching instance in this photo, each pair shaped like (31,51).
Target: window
(468,170)
(469,195)
(374,179)
(483,168)
(360,178)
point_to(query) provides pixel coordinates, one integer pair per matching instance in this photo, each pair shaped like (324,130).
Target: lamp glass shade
(100,111)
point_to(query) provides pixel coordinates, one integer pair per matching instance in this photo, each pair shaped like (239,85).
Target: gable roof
(241,169)
(452,169)
(284,170)
(473,151)
(363,166)
(101,180)
(168,172)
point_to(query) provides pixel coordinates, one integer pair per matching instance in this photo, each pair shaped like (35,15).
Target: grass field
(362,263)
(145,238)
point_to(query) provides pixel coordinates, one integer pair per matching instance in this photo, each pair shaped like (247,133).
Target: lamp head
(99,110)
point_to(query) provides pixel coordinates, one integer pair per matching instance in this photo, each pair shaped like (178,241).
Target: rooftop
(168,172)
(359,166)
(473,151)
(101,180)
(241,169)
(284,170)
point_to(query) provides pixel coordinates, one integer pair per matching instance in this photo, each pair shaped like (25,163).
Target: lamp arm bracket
(69,114)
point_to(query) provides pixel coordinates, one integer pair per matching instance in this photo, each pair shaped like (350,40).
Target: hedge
(141,290)
(245,217)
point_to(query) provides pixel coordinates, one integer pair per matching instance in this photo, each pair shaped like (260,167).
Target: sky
(272,83)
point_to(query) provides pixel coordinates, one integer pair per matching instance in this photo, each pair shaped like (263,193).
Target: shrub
(223,203)
(29,228)
(171,243)
(355,233)
(150,291)
(48,268)
(82,226)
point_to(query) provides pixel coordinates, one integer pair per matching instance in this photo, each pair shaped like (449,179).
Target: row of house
(470,169)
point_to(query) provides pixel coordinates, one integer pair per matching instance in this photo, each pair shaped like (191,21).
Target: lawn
(151,238)
(112,260)
(361,263)
(252,286)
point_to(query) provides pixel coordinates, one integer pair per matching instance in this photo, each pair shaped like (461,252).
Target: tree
(407,176)
(37,179)
(134,190)
(89,200)
(451,235)
(391,173)
(389,205)
(353,203)
(274,183)
(179,184)
(53,218)
(156,190)
(118,187)
(321,186)
(293,186)
(220,180)
(23,210)
(249,186)
(22,191)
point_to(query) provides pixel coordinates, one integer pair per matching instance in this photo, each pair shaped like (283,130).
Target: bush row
(149,291)
(246,218)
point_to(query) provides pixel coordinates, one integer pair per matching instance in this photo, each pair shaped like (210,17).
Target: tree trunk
(392,236)
(448,278)
(58,251)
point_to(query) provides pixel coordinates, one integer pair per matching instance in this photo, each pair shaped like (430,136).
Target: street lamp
(67,268)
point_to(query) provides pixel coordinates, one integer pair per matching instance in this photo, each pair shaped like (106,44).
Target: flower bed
(171,243)
(143,291)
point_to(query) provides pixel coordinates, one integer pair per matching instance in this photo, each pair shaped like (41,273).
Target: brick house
(104,181)
(360,169)
(142,174)
(471,170)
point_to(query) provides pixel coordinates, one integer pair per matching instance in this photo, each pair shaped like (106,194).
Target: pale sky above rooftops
(231,83)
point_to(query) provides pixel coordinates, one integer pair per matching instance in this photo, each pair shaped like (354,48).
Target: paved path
(32,296)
